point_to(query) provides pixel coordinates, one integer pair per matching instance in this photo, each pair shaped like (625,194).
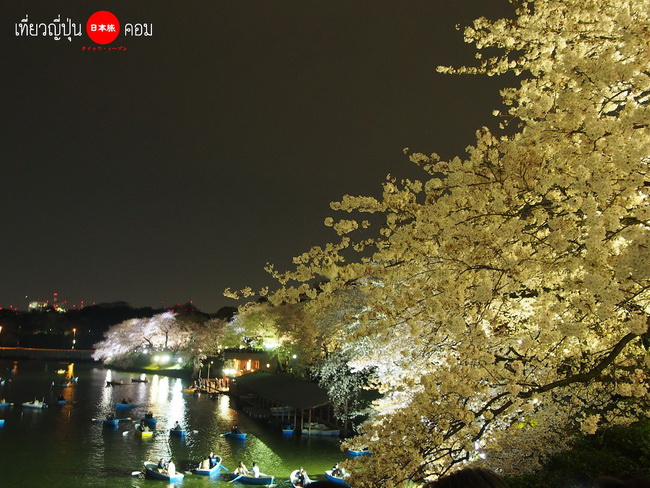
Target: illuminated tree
(169,331)
(507,292)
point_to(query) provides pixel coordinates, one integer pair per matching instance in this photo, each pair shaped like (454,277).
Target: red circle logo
(103,27)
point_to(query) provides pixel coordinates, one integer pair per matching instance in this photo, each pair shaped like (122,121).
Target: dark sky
(168,171)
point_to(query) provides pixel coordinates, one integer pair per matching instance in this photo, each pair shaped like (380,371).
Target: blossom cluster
(506,296)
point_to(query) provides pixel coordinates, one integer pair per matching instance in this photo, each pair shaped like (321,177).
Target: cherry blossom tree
(125,342)
(507,292)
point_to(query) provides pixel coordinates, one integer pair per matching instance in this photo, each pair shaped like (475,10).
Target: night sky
(178,165)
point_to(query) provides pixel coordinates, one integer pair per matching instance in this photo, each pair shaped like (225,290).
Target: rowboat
(139,380)
(114,383)
(62,402)
(5,404)
(177,432)
(146,432)
(124,406)
(152,471)
(235,435)
(359,452)
(249,479)
(294,479)
(110,421)
(2,422)
(319,429)
(209,471)
(281,410)
(35,405)
(151,422)
(336,479)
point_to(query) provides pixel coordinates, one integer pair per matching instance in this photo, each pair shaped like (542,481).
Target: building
(282,399)
(242,361)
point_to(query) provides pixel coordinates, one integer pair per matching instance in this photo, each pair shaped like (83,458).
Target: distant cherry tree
(166,332)
(507,293)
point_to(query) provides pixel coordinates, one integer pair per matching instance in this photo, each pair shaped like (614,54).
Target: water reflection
(106,402)
(176,405)
(72,443)
(268,460)
(224,411)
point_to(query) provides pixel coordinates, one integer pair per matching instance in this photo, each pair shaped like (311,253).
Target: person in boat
(148,415)
(161,464)
(60,399)
(256,469)
(337,472)
(110,416)
(212,460)
(241,469)
(236,430)
(171,468)
(177,426)
(301,477)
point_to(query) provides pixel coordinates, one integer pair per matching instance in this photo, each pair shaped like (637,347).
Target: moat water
(61,446)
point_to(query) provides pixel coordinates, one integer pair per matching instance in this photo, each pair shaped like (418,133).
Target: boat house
(284,400)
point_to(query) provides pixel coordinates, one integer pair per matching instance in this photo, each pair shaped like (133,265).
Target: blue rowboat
(151,471)
(124,406)
(2,422)
(150,422)
(111,422)
(177,432)
(5,404)
(61,402)
(211,471)
(246,479)
(238,435)
(336,479)
(359,452)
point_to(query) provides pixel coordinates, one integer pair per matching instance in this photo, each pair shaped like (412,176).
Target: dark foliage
(619,451)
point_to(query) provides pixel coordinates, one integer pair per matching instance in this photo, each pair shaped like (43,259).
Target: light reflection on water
(72,451)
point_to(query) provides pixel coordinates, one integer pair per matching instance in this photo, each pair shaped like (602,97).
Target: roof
(283,389)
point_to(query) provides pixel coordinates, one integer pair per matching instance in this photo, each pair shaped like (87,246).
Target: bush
(615,451)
